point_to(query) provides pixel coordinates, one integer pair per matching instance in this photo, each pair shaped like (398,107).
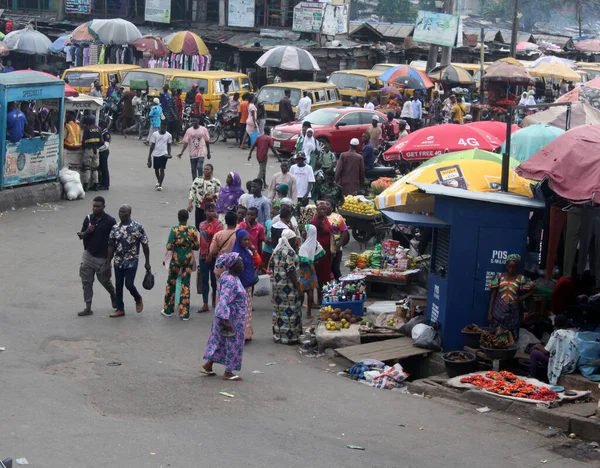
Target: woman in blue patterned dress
(226,341)
(310,251)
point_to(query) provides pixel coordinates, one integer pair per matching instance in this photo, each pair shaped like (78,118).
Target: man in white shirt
(160,152)
(305,178)
(137,103)
(303,107)
(417,109)
(368,104)
(407,111)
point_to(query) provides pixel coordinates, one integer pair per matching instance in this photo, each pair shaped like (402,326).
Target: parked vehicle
(225,127)
(321,94)
(337,126)
(357,83)
(82,78)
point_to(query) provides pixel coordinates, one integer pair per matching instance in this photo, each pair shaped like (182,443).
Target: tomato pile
(507,383)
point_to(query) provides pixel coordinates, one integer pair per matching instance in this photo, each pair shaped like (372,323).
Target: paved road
(62,406)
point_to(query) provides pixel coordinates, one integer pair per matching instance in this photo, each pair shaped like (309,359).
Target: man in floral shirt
(124,246)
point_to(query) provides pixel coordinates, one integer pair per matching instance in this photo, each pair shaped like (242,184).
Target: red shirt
(207,231)
(263,143)
(179,103)
(199,103)
(257,233)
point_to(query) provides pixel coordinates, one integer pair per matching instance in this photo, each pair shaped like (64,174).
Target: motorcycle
(111,114)
(225,127)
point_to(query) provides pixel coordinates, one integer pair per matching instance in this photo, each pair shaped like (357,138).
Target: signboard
(78,6)
(241,13)
(308,17)
(176,84)
(158,11)
(31,160)
(335,20)
(438,28)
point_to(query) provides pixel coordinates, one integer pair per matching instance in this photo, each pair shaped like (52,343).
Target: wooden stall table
(389,281)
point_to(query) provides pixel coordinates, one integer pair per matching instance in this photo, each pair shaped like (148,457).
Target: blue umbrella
(59,44)
(526,142)
(406,76)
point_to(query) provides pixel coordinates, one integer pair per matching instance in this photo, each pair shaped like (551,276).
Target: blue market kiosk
(473,234)
(30,159)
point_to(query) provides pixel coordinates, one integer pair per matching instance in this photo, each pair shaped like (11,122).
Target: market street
(63,406)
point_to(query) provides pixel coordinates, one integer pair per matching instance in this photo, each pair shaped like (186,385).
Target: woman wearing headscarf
(309,147)
(509,289)
(226,341)
(310,251)
(267,249)
(287,311)
(242,248)
(523,100)
(229,195)
(324,235)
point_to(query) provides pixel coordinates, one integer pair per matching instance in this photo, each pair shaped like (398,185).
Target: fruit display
(336,319)
(507,383)
(500,339)
(381,184)
(353,204)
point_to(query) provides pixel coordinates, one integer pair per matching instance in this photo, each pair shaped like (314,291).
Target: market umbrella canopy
(527,46)
(115,31)
(428,142)
(507,73)
(407,76)
(555,70)
(493,127)
(512,60)
(69,90)
(589,92)
(27,41)
(528,141)
(4,51)
(288,58)
(151,44)
(472,154)
(59,44)
(451,74)
(186,42)
(553,59)
(474,175)
(581,114)
(82,33)
(571,163)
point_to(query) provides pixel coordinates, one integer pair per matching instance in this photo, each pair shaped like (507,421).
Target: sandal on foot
(233,378)
(207,373)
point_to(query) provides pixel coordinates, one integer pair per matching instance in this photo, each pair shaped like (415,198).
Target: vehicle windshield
(349,81)
(322,117)
(188,82)
(155,80)
(82,79)
(274,94)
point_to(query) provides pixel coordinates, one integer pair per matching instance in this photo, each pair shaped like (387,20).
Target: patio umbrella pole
(568,119)
(506,154)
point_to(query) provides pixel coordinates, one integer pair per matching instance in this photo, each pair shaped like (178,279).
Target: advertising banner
(78,6)
(438,28)
(31,160)
(241,13)
(158,11)
(335,20)
(308,17)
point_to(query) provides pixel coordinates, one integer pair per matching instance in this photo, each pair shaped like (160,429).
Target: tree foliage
(397,11)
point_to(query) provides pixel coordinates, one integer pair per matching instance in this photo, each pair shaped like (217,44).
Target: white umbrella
(115,31)
(27,41)
(288,58)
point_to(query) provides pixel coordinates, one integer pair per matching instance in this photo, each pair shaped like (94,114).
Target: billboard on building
(438,28)
(308,17)
(158,11)
(335,20)
(241,13)
(78,6)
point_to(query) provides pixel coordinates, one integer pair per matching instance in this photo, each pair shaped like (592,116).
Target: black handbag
(148,282)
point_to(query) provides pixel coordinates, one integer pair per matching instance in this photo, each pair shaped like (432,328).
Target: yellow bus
(358,83)
(82,78)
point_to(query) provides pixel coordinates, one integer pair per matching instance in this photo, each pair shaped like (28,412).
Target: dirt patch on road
(76,361)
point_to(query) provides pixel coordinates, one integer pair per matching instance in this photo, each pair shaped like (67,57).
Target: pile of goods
(396,256)
(336,319)
(381,184)
(507,383)
(359,206)
(457,356)
(348,288)
(500,339)
(472,328)
(376,257)
(360,261)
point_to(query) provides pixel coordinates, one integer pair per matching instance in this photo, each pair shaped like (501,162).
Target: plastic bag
(418,330)
(429,338)
(525,339)
(407,328)
(390,378)
(589,354)
(263,287)
(148,282)
(71,181)
(253,137)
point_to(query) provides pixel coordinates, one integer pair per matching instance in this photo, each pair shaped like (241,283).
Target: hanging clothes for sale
(86,56)
(93,55)
(101,56)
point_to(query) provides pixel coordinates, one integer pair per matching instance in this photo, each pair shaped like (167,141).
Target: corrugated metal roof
(506,35)
(489,34)
(560,41)
(387,30)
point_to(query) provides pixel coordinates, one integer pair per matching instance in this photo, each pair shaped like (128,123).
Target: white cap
(354,142)
(156,100)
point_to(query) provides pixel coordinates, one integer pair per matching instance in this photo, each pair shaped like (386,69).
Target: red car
(336,125)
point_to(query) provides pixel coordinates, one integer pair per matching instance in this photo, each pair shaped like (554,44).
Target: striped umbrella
(451,74)
(151,44)
(186,42)
(406,76)
(82,33)
(288,58)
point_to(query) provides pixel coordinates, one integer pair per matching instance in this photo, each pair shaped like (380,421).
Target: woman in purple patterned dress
(226,342)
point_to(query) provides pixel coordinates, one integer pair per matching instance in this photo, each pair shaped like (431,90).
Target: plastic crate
(357,307)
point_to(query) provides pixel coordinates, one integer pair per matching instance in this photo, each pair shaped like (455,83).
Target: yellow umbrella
(512,60)
(555,70)
(474,175)
(186,42)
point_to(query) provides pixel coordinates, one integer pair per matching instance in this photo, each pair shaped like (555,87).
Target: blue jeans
(197,167)
(125,276)
(208,271)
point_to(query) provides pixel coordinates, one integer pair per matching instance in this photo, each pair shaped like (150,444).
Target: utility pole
(579,15)
(61,10)
(447,51)
(515,30)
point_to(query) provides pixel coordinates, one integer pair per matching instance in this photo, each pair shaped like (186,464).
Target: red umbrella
(69,90)
(447,138)
(152,44)
(571,163)
(493,127)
